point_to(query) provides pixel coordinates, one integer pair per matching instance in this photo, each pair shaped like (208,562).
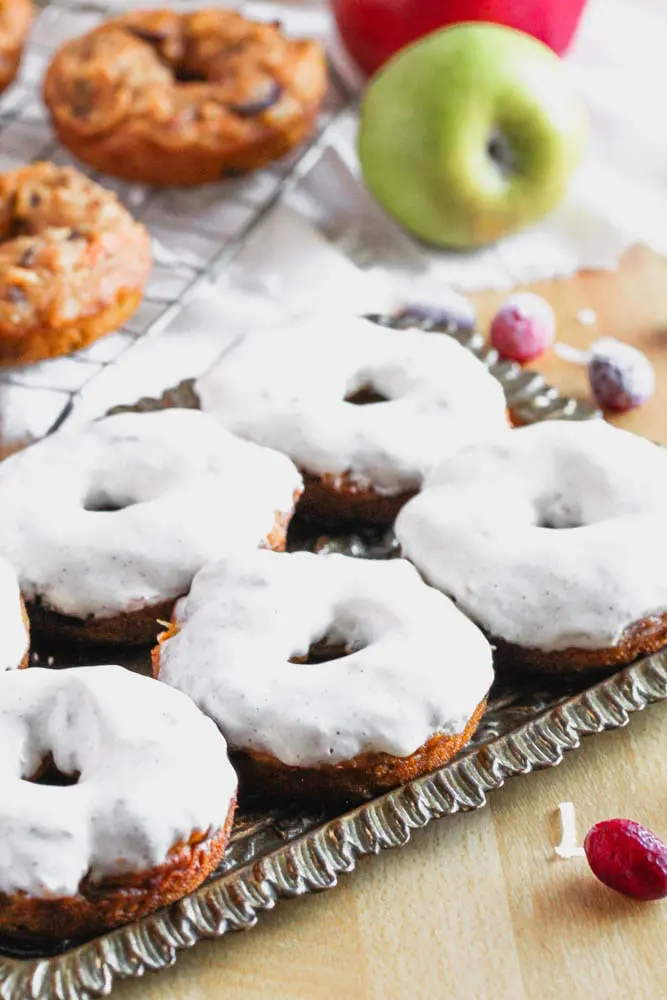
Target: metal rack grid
(196,232)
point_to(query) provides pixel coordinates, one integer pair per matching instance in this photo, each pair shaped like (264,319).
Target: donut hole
(558,514)
(323,652)
(48,773)
(366,395)
(99,502)
(555,524)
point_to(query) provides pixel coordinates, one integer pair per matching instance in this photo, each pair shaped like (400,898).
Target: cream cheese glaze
(288,388)
(121,513)
(14,638)
(550,537)
(417,666)
(152,771)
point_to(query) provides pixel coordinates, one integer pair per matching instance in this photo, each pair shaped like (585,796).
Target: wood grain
(477,905)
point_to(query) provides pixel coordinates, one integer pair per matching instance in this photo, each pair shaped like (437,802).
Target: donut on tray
(107,524)
(15,632)
(73,262)
(16,17)
(553,539)
(168,98)
(365,412)
(116,798)
(330,677)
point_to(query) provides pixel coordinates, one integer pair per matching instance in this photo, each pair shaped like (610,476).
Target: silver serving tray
(277,853)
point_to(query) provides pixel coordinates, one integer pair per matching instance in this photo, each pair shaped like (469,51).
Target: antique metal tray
(277,853)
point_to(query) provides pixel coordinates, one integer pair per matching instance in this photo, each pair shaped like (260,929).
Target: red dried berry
(628,858)
(523,327)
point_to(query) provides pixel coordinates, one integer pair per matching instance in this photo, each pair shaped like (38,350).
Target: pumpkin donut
(116,798)
(552,539)
(73,262)
(365,413)
(16,17)
(107,524)
(330,677)
(167,98)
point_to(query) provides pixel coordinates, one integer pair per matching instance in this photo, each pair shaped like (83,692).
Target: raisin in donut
(73,262)
(404,691)
(553,539)
(15,632)
(16,17)
(116,798)
(169,98)
(298,389)
(107,525)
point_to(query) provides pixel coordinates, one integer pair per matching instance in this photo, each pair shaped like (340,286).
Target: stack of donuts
(303,676)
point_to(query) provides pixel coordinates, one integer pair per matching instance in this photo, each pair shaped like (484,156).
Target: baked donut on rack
(553,539)
(116,798)
(107,524)
(403,692)
(15,633)
(16,17)
(184,98)
(365,412)
(73,262)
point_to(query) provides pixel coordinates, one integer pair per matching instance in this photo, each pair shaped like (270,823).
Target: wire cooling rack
(195,232)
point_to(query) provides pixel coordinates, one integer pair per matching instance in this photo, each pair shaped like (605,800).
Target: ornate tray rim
(313,861)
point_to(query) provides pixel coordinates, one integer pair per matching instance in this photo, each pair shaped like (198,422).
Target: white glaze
(153,771)
(419,666)
(195,493)
(474,532)
(13,634)
(287,389)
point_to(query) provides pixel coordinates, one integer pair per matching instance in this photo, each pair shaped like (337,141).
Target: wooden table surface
(477,905)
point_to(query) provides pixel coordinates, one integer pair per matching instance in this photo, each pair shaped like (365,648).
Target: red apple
(373,30)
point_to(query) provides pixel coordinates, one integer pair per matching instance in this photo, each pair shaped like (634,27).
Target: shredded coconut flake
(573,354)
(587,317)
(568,847)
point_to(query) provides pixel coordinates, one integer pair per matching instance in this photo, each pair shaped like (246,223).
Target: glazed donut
(106,525)
(15,20)
(394,702)
(73,262)
(552,538)
(15,636)
(295,389)
(116,798)
(169,98)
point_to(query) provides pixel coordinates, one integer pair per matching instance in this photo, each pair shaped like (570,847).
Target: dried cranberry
(523,327)
(16,294)
(620,376)
(628,858)
(27,258)
(255,106)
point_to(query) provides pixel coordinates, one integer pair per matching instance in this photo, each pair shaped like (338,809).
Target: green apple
(470,133)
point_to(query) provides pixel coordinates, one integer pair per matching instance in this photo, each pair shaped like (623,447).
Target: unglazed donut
(106,525)
(73,262)
(169,98)
(404,694)
(15,20)
(116,798)
(552,538)
(15,632)
(295,388)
